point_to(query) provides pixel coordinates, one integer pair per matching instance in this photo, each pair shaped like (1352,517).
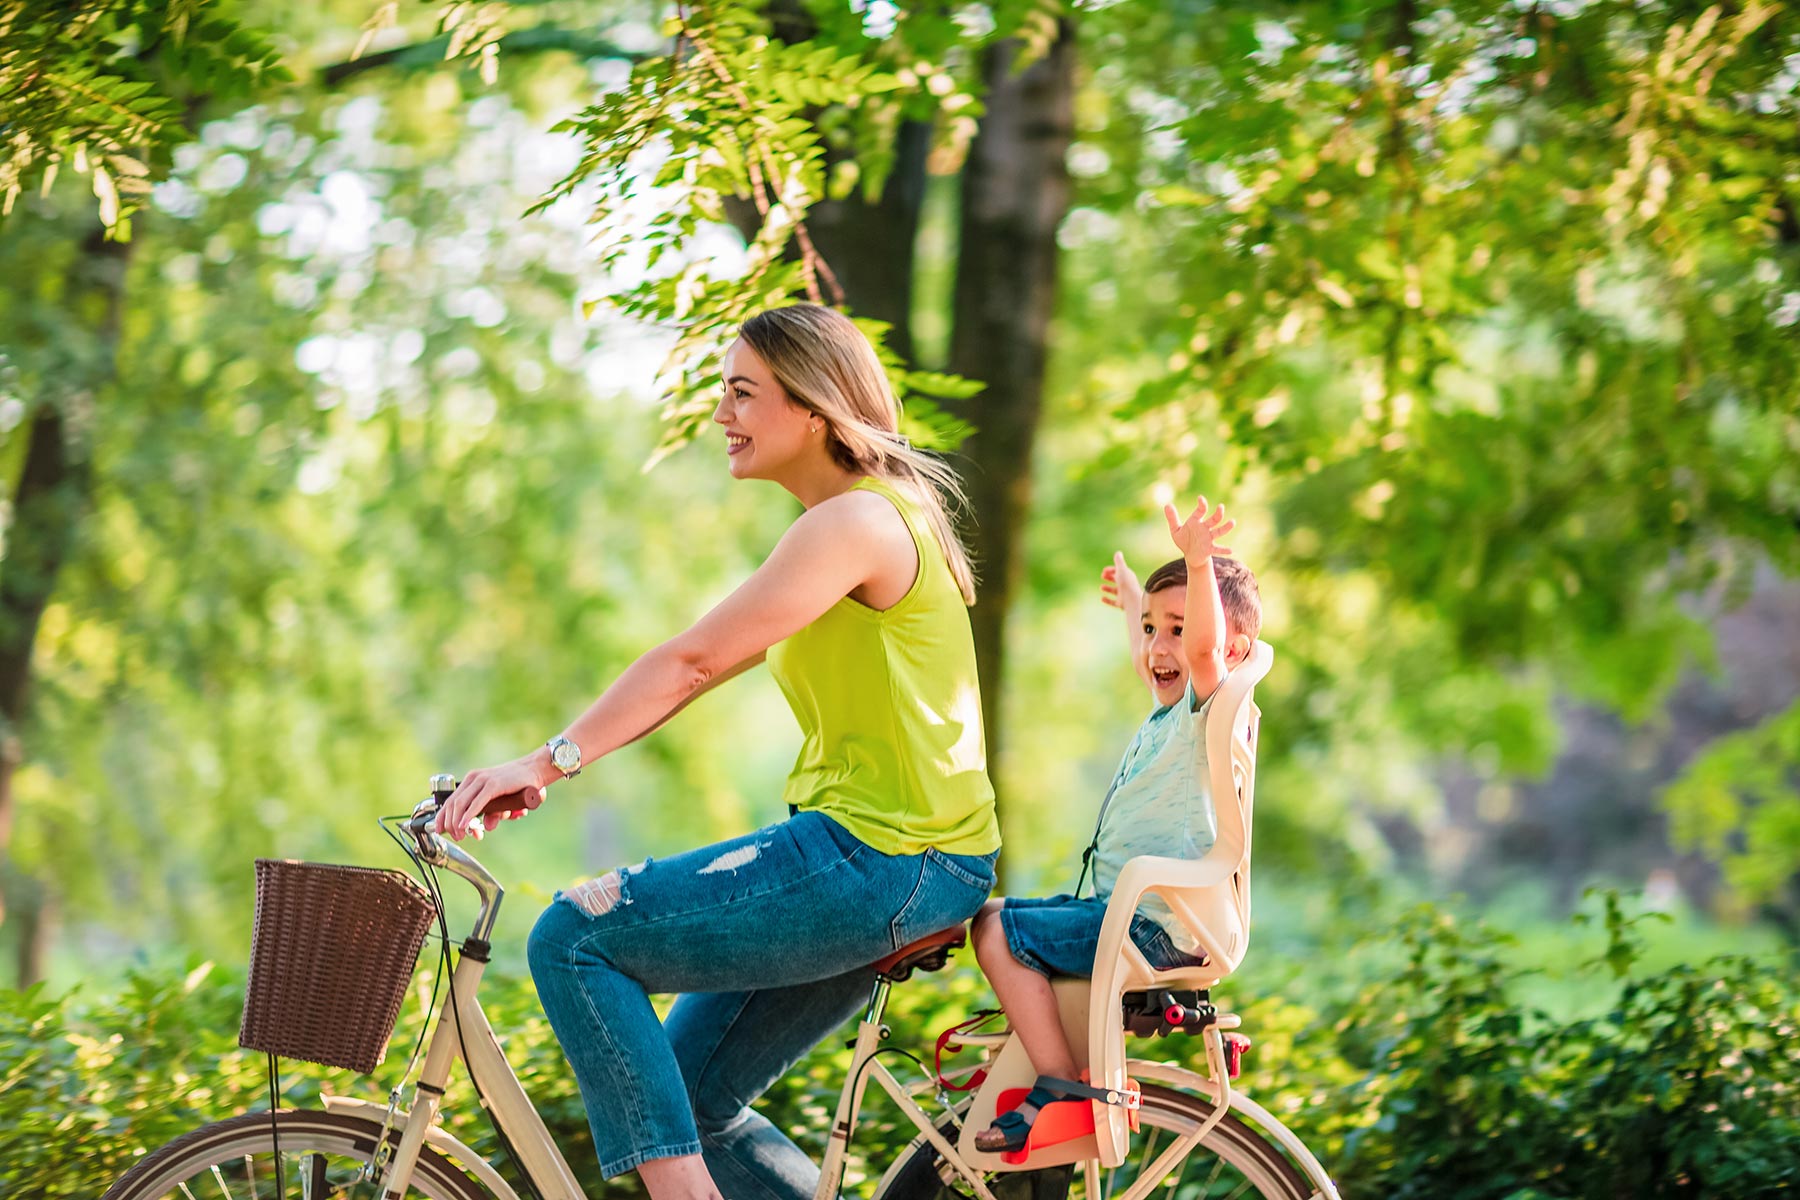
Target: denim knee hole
(597,897)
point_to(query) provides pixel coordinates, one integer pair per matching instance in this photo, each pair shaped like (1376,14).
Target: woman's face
(764,430)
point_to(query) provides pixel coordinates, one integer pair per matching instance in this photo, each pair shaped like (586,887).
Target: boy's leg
(1025,994)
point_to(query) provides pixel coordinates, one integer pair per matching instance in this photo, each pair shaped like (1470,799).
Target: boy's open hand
(1198,537)
(1119,586)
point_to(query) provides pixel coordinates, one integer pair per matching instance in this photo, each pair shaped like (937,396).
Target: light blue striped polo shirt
(1160,802)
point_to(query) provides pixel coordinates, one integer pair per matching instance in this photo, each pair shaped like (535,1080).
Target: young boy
(1195,619)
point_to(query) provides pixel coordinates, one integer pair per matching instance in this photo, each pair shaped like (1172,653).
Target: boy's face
(1162,643)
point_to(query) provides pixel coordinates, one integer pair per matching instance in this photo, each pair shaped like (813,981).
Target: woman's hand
(1120,588)
(490,795)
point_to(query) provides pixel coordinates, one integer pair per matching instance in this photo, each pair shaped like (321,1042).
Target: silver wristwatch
(565,756)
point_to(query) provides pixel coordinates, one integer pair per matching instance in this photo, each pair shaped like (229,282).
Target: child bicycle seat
(1209,896)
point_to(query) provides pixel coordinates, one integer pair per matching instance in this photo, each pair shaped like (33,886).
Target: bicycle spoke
(1244,1165)
(1213,1176)
(1174,1180)
(1149,1155)
(324,1150)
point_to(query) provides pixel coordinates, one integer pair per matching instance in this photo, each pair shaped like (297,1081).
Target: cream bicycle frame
(462,1032)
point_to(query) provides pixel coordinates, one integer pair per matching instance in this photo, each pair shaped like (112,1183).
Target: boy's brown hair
(1238,594)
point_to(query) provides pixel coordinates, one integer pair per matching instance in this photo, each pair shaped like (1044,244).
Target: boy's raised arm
(1203,621)
(1119,587)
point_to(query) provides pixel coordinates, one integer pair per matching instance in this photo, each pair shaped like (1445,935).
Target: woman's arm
(755,660)
(831,550)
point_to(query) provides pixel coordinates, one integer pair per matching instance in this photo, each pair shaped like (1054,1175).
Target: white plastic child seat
(1210,896)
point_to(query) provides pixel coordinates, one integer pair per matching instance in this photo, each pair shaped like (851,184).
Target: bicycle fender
(437,1137)
(1183,1079)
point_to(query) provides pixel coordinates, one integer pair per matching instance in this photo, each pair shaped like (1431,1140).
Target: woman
(860,611)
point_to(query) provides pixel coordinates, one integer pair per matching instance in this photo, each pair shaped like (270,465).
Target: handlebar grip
(501,806)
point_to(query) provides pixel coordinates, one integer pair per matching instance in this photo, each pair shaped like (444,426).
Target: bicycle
(357,1148)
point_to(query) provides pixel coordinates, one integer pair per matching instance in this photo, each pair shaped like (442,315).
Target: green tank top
(891,709)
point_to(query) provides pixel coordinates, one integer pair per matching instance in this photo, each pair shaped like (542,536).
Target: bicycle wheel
(1233,1162)
(322,1156)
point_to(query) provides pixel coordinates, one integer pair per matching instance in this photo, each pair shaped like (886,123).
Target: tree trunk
(33,924)
(48,505)
(1015,193)
(44,514)
(870,247)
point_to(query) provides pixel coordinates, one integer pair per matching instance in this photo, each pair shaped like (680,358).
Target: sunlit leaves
(742,114)
(101,86)
(1739,803)
(1478,283)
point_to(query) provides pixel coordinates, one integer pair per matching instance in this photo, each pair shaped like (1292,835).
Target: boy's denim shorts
(1057,935)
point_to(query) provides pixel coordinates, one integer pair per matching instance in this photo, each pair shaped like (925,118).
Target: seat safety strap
(1126,1097)
(975,1022)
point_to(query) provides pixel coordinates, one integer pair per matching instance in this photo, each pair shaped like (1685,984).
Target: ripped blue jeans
(769,938)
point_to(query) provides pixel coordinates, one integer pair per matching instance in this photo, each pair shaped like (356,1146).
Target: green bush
(1433,1082)
(86,1087)
(1685,1087)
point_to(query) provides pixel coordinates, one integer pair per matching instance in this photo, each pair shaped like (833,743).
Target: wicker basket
(330,959)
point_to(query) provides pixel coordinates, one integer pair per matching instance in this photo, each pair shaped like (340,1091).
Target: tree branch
(431,53)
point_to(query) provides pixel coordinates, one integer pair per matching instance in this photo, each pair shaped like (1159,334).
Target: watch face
(565,754)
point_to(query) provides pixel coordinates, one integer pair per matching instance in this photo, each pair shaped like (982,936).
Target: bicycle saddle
(929,953)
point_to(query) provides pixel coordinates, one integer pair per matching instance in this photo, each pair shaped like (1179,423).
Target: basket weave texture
(330,958)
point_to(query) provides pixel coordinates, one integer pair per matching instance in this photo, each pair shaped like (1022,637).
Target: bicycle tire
(1244,1163)
(322,1152)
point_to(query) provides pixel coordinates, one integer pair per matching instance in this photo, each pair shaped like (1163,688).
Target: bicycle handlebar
(440,852)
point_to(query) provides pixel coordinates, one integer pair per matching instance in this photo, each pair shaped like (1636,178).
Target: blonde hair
(826,366)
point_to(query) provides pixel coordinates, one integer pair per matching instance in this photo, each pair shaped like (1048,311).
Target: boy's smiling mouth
(1165,676)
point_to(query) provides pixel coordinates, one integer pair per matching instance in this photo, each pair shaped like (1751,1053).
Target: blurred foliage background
(335,342)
